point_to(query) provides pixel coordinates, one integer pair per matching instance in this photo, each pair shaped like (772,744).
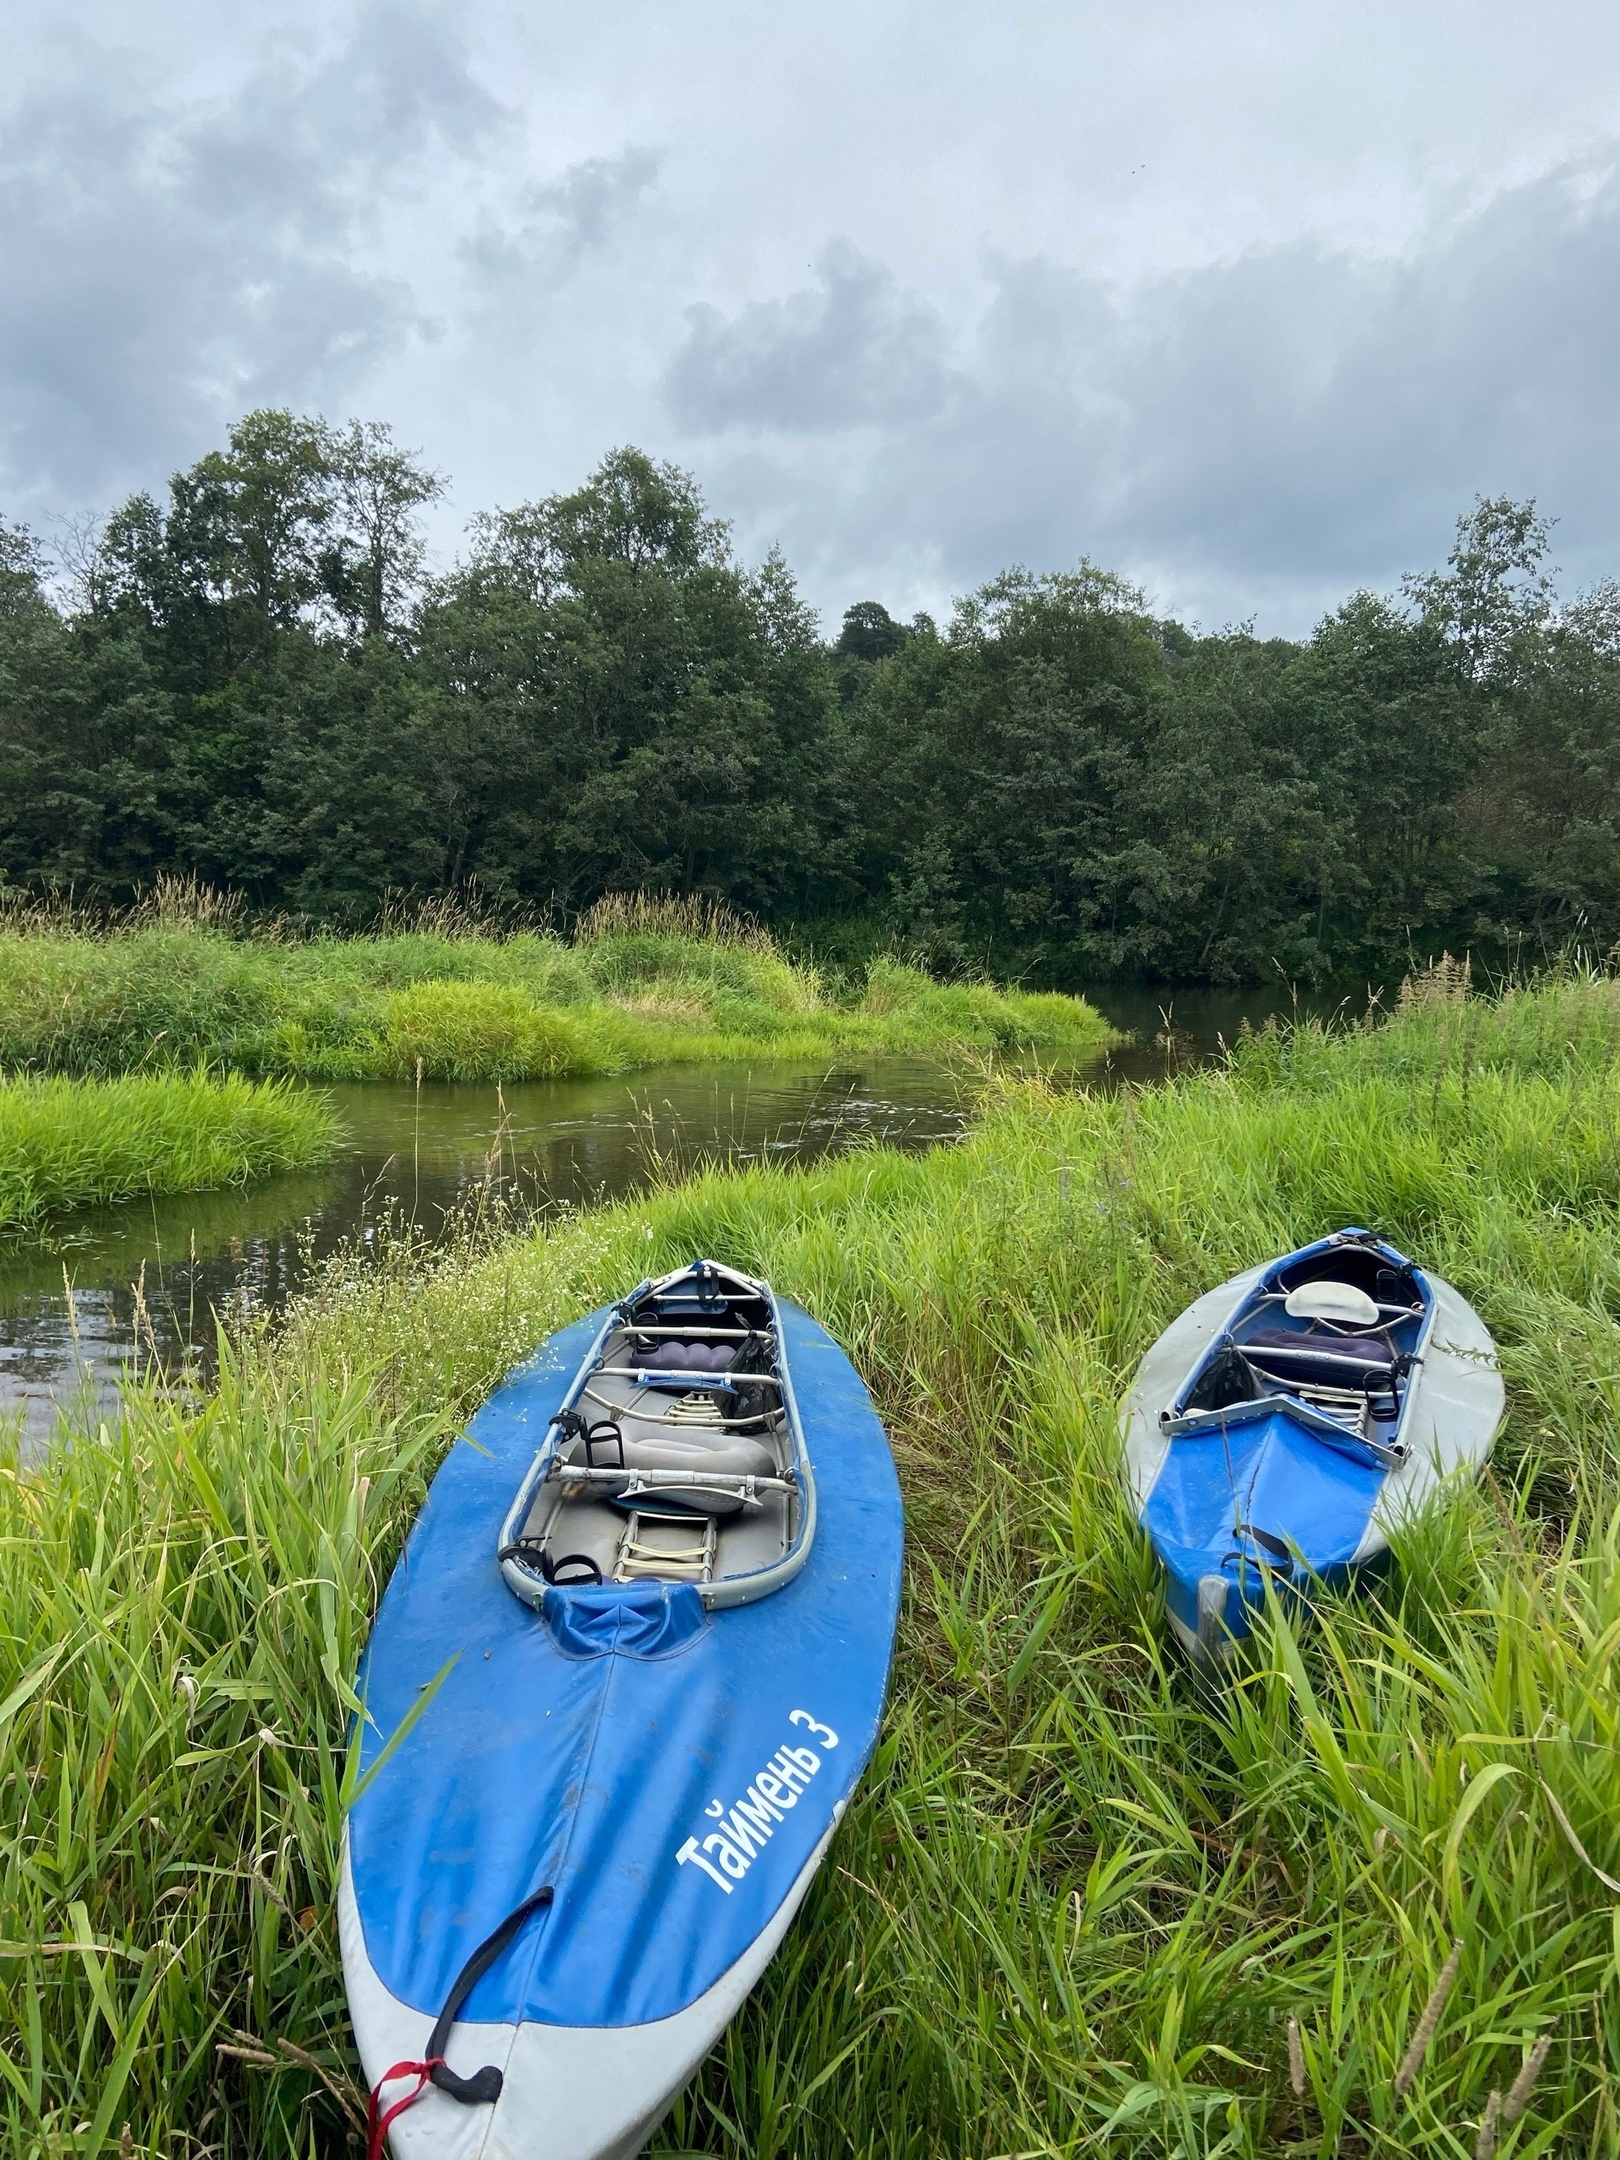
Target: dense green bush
(473,1006)
(478,1030)
(73,1143)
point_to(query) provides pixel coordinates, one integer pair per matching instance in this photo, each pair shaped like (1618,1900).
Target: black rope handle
(1278,1547)
(484,2085)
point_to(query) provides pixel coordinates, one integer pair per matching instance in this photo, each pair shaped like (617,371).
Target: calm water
(116,1285)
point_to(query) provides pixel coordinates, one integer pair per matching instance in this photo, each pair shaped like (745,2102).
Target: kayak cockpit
(1334,1333)
(677,1454)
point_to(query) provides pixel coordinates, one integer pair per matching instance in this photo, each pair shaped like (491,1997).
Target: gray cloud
(1278,426)
(1250,315)
(562,223)
(854,350)
(166,264)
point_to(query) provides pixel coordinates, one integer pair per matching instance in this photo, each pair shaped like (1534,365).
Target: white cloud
(168,263)
(1246,301)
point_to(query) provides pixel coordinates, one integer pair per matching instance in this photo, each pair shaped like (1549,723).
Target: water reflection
(111,1289)
(114,1288)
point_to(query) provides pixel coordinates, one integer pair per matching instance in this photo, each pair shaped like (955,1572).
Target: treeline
(258,683)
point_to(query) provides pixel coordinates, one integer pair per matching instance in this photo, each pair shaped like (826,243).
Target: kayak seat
(683,1357)
(736,1454)
(1343,1361)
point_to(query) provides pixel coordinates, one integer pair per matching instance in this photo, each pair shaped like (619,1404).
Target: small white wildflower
(268,1737)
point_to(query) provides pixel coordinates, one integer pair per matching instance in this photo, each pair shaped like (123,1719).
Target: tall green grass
(74,1143)
(641,984)
(1080,1899)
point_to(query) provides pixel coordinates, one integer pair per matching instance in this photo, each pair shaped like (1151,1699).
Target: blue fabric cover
(586,1744)
(1272,1474)
(1309,1499)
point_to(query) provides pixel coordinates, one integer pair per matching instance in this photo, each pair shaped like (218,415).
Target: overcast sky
(1245,300)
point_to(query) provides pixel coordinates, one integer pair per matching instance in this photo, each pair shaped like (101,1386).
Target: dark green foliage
(258,685)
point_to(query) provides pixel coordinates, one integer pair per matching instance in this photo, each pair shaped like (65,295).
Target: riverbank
(67,1144)
(1078,1900)
(643,983)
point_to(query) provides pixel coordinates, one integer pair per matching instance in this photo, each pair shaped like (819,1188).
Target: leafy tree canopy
(260,680)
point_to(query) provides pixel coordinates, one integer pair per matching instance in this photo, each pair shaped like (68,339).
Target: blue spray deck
(1225,1486)
(1282,1436)
(668,1770)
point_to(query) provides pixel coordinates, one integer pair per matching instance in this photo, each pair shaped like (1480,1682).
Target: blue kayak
(1282,1427)
(619,1691)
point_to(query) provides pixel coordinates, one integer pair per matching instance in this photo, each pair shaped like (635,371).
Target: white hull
(568,2092)
(1457,1410)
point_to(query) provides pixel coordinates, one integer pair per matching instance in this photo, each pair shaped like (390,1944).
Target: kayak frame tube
(558,2074)
(730,1590)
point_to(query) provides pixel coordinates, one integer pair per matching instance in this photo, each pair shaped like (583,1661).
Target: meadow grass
(1082,1904)
(78,1143)
(641,983)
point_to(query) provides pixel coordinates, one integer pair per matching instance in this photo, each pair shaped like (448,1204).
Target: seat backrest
(1341,1302)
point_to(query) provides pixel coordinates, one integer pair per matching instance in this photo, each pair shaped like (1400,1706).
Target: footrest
(665,1546)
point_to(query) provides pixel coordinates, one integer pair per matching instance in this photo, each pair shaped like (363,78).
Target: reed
(76,1143)
(645,982)
(1079,1895)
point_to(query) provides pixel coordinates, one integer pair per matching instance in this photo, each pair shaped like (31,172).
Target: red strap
(378,2119)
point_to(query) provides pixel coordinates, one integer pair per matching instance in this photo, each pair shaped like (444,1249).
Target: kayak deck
(678,1455)
(1286,1422)
(639,1783)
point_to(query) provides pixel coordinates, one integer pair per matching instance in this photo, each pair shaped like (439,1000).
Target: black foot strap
(581,1568)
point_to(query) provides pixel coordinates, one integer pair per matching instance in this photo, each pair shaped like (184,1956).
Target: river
(111,1287)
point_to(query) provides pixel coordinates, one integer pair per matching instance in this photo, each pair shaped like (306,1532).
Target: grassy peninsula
(74,1143)
(643,982)
(1079,1899)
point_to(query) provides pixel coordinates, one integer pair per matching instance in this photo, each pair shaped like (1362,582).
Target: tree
(1495,595)
(372,568)
(248,523)
(998,761)
(83,735)
(600,697)
(255,679)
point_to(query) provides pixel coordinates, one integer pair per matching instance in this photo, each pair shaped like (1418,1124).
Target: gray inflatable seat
(738,1454)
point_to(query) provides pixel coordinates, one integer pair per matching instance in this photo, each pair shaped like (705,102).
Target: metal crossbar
(1330,1428)
(743,1482)
(667,1372)
(664,1417)
(1396,1312)
(691,1334)
(1313,1346)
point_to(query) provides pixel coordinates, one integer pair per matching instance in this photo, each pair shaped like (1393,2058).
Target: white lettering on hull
(727,1852)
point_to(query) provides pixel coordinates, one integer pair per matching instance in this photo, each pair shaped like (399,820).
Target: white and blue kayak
(1286,1423)
(619,1691)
